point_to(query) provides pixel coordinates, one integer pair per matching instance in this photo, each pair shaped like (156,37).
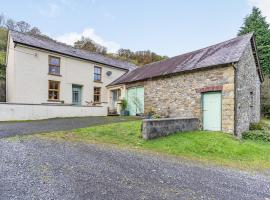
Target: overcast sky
(167,27)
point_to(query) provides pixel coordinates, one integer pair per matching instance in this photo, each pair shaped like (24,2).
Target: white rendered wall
(14,112)
(27,76)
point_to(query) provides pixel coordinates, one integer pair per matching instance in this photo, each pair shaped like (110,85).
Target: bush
(2,72)
(124,104)
(256,126)
(260,135)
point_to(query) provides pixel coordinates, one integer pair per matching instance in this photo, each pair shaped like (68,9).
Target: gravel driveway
(58,124)
(33,168)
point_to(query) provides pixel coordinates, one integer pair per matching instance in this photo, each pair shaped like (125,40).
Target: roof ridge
(47,38)
(219,54)
(190,52)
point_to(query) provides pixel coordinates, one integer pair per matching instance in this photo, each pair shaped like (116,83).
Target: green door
(212,111)
(135,99)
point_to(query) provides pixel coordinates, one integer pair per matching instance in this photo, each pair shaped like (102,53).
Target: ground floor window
(54,90)
(97,94)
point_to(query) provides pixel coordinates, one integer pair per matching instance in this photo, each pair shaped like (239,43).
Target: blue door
(135,99)
(76,94)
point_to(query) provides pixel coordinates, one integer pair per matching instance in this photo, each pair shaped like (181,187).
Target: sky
(167,27)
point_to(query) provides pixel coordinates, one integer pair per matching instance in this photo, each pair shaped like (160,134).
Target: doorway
(76,94)
(211,111)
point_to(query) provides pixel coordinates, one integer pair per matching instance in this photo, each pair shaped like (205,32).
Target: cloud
(264,6)
(70,38)
(50,10)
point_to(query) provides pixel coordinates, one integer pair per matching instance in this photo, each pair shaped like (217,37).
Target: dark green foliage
(259,135)
(2,72)
(258,131)
(256,23)
(3,40)
(256,126)
(124,104)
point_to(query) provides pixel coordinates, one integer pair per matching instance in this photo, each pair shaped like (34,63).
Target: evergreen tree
(256,22)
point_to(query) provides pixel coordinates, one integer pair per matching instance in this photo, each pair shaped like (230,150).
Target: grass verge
(211,147)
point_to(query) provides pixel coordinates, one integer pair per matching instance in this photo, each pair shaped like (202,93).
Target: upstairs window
(54,90)
(54,65)
(97,74)
(97,94)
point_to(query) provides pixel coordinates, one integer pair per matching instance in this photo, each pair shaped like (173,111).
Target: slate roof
(57,47)
(223,53)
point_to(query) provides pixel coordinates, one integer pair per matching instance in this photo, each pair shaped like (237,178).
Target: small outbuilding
(220,85)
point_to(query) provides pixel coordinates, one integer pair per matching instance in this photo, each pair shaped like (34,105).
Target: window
(97,94)
(54,90)
(116,94)
(54,65)
(251,99)
(97,73)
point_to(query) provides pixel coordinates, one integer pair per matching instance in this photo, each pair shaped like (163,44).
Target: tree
(35,31)
(256,23)
(23,26)
(125,53)
(11,24)
(139,57)
(90,45)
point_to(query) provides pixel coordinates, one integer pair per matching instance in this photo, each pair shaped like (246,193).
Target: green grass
(209,147)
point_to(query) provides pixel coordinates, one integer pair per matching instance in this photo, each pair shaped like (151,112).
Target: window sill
(98,82)
(55,75)
(56,101)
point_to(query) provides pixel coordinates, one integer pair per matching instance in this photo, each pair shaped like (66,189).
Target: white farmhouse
(41,71)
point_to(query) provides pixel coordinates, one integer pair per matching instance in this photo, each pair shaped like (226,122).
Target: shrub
(256,126)
(260,135)
(124,104)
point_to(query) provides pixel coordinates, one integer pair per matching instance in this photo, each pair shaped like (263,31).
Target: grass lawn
(209,147)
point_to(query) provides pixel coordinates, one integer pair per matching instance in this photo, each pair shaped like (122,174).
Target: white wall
(10,71)
(13,112)
(28,76)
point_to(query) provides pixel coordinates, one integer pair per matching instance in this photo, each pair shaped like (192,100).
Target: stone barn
(220,85)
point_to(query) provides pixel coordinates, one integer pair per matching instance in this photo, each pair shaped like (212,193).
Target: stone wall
(154,128)
(179,95)
(2,90)
(247,92)
(265,95)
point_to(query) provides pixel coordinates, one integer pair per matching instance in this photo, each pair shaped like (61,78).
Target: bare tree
(23,26)
(35,31)
(11,24)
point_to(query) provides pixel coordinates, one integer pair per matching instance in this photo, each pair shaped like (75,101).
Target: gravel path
(58,124)
(39,169)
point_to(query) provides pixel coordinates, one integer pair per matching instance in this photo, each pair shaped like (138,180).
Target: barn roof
(220,54)
(57,47)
